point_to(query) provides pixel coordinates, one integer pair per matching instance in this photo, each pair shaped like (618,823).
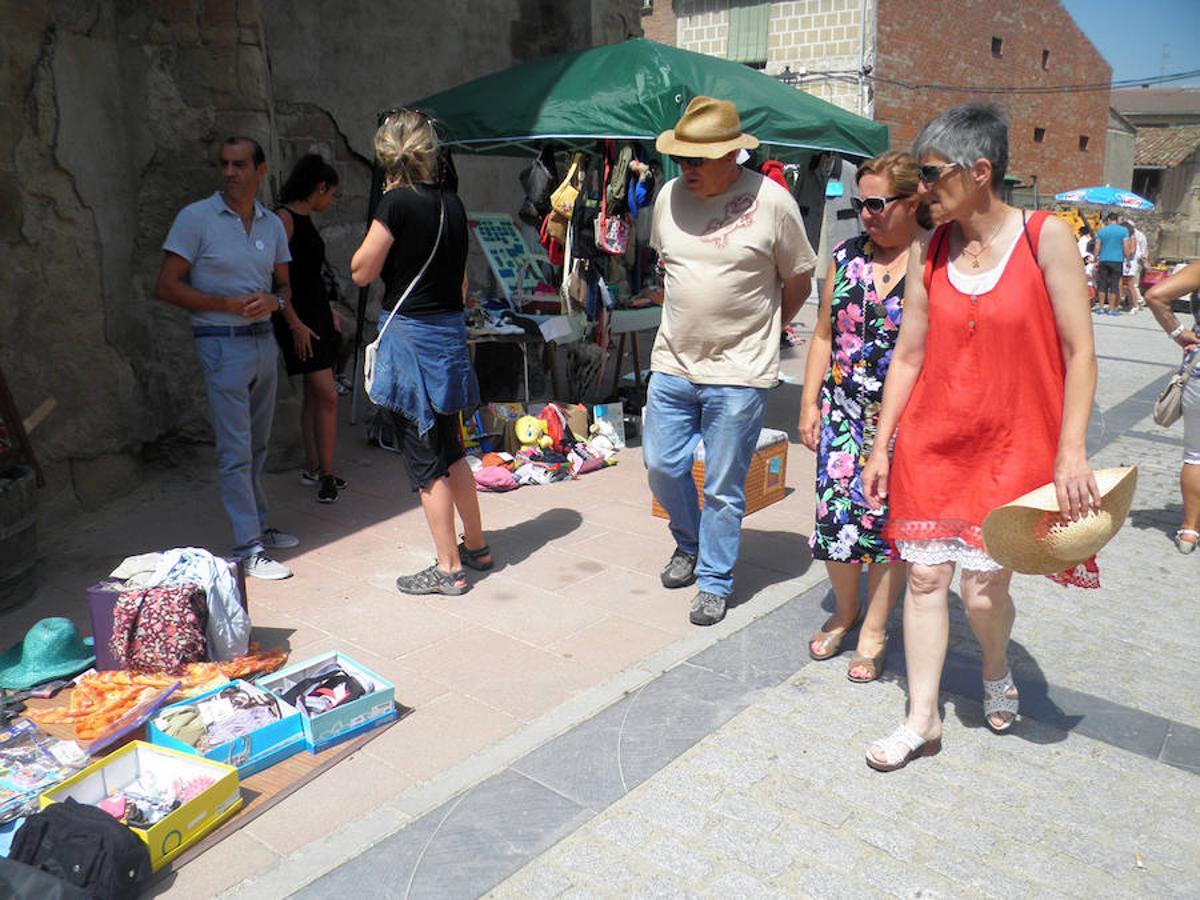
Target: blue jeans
(241,376)
(728,418)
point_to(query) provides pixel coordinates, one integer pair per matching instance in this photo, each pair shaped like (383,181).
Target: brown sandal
(831,642)
(873,664)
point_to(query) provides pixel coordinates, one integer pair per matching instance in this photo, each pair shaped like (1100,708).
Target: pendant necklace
(983,246)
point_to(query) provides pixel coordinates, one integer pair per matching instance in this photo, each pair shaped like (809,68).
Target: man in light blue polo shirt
(226,262)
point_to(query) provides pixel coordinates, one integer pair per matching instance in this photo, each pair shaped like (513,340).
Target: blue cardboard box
(348,720)
(249,753)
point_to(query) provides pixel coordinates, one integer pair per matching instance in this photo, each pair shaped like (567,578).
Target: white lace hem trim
(947,550)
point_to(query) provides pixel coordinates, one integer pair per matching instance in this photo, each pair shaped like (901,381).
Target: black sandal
(472,557)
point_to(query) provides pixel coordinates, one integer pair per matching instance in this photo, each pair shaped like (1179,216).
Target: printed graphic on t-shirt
(738,213)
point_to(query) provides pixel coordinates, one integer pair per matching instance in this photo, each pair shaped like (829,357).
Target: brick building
(882,58)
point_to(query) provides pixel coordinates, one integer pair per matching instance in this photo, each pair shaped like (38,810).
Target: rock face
(111,114)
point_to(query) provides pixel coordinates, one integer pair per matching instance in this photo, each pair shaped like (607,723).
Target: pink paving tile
(273,629)
(355,786)
(387,623)
(441,734)
(350,554)
(504,673)
(231,861)
(629,550)
(521,610)
(640,598)
(614,644)
(550,568)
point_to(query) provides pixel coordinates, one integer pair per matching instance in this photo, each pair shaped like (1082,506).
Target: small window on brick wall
(1045,59)
(1039,135)
(997,47)
(1083,142)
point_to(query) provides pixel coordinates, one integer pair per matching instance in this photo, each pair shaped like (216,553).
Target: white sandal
(1000,696)
(1186,546)
(899,748)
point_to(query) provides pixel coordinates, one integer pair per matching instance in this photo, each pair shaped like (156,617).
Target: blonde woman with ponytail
(417,244)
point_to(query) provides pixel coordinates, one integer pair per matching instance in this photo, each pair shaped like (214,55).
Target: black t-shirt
(411,215)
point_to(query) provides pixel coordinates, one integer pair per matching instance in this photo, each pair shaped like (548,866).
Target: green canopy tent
(631,91)
(634,91)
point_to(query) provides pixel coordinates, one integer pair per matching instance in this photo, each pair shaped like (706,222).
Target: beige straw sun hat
(1028,535)
(709,128)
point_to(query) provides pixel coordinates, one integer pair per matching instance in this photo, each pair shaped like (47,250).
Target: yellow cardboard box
(177,831)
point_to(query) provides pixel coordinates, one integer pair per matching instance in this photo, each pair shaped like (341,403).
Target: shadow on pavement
(516,543)
(1166,519)
(771,557)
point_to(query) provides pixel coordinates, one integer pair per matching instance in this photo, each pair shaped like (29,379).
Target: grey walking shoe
(680,570)
(433,581)
(707,609)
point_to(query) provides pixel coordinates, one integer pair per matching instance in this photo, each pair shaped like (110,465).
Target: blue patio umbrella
(1104,196)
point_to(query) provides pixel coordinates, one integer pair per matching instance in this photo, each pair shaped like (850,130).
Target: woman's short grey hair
(968,133)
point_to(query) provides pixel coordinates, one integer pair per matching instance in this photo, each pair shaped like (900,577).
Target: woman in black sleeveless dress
(310,189)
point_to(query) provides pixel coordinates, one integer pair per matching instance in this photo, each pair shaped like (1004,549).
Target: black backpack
(86,847)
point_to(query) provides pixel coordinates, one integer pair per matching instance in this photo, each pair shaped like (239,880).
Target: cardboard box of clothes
(262,731)
(334,708)
(766,479)
(170,800)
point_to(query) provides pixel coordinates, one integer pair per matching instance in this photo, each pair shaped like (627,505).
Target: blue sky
(1130,34)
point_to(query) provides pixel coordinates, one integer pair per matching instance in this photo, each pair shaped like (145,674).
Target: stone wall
(110,118)
(820,40)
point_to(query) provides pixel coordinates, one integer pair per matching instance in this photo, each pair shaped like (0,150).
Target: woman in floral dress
(852,343)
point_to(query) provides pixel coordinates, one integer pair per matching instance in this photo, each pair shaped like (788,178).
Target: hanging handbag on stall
(612,232)
(372,349)
(587,210)
(617,179)
(564,196)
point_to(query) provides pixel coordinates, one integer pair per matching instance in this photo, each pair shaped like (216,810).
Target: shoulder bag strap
(1028,239)
(412,284)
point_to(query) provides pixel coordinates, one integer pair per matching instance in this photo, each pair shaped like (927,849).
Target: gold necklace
(983,247)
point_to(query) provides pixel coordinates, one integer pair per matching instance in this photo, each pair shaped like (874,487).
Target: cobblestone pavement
(769,806)
(741,773)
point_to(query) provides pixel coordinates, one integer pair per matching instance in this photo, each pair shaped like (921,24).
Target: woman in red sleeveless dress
(988,397)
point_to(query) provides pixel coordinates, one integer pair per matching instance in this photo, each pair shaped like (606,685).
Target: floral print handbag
(159,629)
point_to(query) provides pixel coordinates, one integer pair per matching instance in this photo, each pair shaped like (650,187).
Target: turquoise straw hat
(51,649)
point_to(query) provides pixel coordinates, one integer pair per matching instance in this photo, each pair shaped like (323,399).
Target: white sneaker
(262,566)
(278,540)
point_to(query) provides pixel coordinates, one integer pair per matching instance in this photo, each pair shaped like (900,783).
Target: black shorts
(429,456)
(1108,278)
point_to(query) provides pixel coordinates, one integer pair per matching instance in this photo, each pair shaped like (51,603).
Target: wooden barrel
(18,535)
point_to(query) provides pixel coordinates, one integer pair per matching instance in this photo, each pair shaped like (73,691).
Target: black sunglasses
(875,204)
(690,162)
(930,174)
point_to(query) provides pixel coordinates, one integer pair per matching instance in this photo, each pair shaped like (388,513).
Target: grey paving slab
(1182,747)
(893,838)
(477,839)
(773,648)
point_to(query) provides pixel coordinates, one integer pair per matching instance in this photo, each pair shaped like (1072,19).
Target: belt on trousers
(231,330)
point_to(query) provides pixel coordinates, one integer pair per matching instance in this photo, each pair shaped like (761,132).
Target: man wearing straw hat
(737,267)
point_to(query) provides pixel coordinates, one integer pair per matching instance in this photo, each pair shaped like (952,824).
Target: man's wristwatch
(280,301)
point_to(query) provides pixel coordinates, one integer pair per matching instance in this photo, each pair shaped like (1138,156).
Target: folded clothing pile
(231,713)
(327,688)
(150,799)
